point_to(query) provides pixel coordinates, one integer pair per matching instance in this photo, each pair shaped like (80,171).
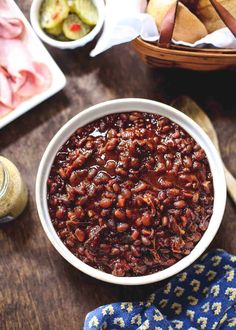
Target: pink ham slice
(20,76)
(5,92)
(10,28)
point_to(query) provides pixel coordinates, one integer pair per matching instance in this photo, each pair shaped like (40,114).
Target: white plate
(41,55)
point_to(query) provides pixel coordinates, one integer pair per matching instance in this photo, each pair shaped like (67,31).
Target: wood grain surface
(38,288)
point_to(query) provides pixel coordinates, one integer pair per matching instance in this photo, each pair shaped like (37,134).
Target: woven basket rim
(187,50)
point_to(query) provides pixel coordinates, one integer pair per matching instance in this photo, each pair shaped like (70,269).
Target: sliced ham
(6,88)
(10,28)
(6,93)
(21,77)
(29,77)
(35,82)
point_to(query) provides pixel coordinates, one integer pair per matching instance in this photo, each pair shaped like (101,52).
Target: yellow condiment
(13,191)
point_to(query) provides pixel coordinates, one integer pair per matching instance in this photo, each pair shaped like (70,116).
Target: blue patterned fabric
(201,297)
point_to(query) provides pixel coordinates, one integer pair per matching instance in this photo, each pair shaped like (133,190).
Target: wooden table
(38,288)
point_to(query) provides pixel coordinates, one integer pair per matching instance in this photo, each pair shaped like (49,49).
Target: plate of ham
(28,74)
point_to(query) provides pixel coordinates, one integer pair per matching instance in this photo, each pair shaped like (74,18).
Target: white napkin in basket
(126,19)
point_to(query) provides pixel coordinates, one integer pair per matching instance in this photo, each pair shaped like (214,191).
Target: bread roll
(188,27)
(207,14)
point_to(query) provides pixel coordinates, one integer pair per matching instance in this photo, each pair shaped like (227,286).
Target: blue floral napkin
(202,297)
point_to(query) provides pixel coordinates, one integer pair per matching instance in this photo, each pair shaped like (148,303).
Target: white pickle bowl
(34,18)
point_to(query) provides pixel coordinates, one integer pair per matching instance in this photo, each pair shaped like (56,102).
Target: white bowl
(124,105)
(34,17)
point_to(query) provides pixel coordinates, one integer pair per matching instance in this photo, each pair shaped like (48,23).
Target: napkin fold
(125,21)
(201,297)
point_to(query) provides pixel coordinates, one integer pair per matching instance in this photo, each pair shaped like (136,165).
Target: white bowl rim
(126,105)
(34,13)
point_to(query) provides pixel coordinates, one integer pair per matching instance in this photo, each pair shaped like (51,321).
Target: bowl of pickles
(67,24)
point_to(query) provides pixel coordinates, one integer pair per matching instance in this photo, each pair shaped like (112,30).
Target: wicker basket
(167,55)
(185,58)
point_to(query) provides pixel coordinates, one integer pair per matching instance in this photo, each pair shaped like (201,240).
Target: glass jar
(13,191)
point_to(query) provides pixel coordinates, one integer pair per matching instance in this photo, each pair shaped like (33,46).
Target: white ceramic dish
(124,105)
(34,17)
(41,55)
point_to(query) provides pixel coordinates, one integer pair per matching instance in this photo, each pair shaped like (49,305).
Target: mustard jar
(13,191)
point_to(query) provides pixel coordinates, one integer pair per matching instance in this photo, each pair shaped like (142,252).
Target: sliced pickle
(87,11)
(55,31)
(71,4)
(62,37)
(53,12)
(74,28)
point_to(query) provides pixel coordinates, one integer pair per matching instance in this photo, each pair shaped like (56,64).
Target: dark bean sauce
(130,194)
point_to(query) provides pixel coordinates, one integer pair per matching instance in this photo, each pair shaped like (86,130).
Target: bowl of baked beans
(130,191)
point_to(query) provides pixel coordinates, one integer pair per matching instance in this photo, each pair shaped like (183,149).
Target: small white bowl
(34,17)
(126,105)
